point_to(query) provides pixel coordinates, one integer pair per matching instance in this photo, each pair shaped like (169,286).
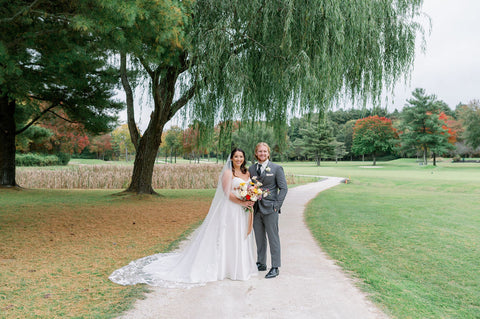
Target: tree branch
(22,11)
(185,64)
(182,101)
(63,118)
(146,66)
(35,119)
(132,126)
(187,95)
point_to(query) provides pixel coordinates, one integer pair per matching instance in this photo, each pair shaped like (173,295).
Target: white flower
(243,193)
(267,169)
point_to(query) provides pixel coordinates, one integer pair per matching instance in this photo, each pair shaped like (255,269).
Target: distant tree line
(425,128)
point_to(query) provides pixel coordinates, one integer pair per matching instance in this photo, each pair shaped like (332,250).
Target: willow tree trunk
(147,145)
(147,149)
(7,142)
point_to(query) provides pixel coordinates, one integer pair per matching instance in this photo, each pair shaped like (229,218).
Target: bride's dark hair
(242,167)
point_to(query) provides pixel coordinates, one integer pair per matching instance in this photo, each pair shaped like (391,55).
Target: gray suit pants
(267,224)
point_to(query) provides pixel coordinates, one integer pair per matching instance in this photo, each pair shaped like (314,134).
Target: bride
(222,247)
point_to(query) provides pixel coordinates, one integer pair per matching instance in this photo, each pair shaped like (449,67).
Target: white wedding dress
(220,249)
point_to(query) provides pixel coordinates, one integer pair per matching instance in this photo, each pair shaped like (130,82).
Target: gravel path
(310,285)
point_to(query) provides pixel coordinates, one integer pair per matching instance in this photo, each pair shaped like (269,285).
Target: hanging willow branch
(263,57)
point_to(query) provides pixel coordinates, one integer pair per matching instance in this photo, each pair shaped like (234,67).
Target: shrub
(63,158)
(31,159)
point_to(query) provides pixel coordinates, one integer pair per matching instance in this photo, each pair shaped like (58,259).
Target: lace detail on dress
(134,273)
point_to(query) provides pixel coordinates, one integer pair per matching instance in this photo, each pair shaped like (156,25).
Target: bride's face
(238,159)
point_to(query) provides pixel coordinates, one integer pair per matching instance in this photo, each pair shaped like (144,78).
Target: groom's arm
(282,187)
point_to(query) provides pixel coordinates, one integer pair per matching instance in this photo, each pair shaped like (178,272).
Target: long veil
(194,264)
(224,185)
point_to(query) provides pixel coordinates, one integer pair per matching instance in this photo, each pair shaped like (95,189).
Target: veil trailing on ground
(206,257)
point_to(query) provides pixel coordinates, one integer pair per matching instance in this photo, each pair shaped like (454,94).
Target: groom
(265,222)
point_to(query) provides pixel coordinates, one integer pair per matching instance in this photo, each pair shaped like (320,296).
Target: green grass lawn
(410,233)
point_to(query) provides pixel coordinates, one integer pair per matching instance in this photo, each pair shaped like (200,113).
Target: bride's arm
(226,184)
(238,201)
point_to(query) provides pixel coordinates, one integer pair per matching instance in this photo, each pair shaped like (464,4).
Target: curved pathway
(310,285)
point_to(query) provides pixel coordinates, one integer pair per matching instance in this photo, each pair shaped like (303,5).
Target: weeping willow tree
(259,59)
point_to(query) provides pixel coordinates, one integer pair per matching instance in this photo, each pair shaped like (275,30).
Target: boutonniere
(268,169)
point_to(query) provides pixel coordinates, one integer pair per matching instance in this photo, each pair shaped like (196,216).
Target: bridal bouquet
(251,191)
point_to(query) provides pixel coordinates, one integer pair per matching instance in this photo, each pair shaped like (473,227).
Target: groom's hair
(262,144)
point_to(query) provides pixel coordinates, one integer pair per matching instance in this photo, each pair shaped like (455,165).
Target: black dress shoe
(272,273)
(261,267)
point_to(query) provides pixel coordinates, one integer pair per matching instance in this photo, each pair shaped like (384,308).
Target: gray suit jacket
(273,179)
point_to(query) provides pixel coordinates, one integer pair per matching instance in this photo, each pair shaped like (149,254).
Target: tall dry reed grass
(178,176)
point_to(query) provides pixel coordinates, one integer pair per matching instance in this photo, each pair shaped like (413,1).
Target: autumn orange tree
(101,146)
(54,133)
(193,146)
(372,135)
(67,137)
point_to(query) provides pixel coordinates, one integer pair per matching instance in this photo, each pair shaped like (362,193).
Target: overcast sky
(450,66)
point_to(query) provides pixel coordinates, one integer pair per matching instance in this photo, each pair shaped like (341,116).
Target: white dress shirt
(263,166)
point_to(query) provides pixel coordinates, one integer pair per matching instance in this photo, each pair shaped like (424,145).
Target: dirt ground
(56,258)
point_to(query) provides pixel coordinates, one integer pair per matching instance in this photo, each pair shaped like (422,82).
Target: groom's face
(262,153)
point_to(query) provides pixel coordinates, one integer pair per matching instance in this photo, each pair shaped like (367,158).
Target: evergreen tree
(47,64)
(421,127)
(347,136)
(339,150)
(318,141)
